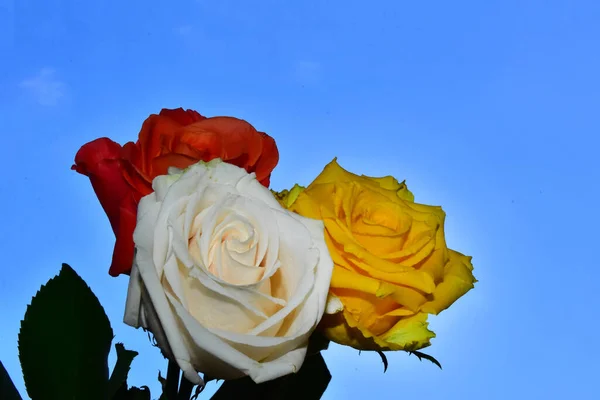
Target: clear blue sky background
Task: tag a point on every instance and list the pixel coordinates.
(488, 108)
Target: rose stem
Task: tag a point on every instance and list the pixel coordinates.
(172, 380)
(185, 389)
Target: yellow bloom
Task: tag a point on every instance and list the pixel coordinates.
(392, 266)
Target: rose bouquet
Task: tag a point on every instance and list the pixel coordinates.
(235, 281)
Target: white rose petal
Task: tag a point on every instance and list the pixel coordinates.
(229, 282)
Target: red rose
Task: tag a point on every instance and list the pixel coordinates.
(121, 176)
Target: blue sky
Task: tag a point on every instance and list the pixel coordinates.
(489, 109)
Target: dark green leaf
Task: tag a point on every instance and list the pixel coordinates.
(64, 341)
(162, 380)
(308, 383)
(151, 338)
(427, 357)
(135, 393)
(383, 359)
(316, 343)
(132, 393)
(198, 390)
(185, 389)
(121, 393)
(163, 385)
(171, 384)
(119, 374)
(8, 391)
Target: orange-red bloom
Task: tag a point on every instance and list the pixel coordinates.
(121, 176)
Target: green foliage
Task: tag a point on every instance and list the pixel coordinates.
(308, 383)
(118, 378)
(422, 356)
(384, 360)
(8, 391)
(316, 343)
(64, 341)
(132, 393)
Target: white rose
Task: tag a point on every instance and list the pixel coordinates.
(229, 282)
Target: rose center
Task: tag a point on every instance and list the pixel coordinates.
(231, 253)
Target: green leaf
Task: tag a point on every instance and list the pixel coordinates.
(119, 374)
(8, 391)
(383, 359)
(316, 343)
(421, 355)
(132, 393)
(172, 384)
(207, 378)
(308, 383)
(64, 341)
(163, 385)
(121, 393)
(198, 390)
(135, 393)
(185, 389)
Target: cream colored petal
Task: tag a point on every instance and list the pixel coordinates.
(224, 361)
(334, 304)
(133, 303)
(165, 315)
(255, 190)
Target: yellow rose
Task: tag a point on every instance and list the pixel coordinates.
(391, 264)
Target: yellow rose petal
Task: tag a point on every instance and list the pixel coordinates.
(404, 193)
(458, 280)
(400, 312)
(391, 263)
(409, 334)
(404, 275)
(342, 328)
(404, 296)
(385, 182)
(363, 338)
